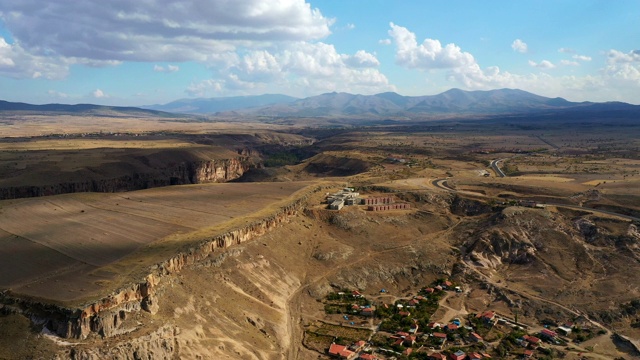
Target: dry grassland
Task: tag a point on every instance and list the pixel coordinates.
(69, 246)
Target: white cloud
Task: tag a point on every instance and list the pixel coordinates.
(582, 57)
(519, 46)
(544, 64)
(158, 30)
(168, 69)
(351, 26)
(99, 94)
(384, 41)
(301, 68)
(428, 55)
(57, 94)
(361, 59)
(17, 63)
(567, 50)
(623, 69)
(569, 63)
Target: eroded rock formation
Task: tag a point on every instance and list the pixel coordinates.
(191, 172)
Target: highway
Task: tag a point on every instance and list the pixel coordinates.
(496, 168)
(442, 184)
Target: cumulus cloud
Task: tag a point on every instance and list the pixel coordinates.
(623, 68)
(428, 55)
(99, 94)
(582, 57)
(57, 94)
(17, 63)
(544, 64)
(361, 59)
(567, 50)
(167, 69)
(519, 46)
(384, 41)
(158, 30)
(301, 68)
(569, 63)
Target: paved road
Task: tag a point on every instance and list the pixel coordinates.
(496, 168)
(442, 184)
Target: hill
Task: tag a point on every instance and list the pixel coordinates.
(451, 102)
(214, 105)
(80, 109)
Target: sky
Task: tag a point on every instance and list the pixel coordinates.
(143, 52)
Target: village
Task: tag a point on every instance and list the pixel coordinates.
(368, 328)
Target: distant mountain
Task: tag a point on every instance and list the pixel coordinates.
(214, 105)
(454, 101)
(88, 109)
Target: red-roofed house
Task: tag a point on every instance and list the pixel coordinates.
(434, 325)
(358, 345)
(436, 356)
(404, 313)
(366, 356)
(532, 340)
(458, 355)
(341, 352)
(548, 334)
(407, 351)
(409, 341)
(475, 356)
(367, 312)
(429, 290)
(447, 284)
(487, 316)
(527, 354)
(451, 327)
(414, 302)
(475, 337)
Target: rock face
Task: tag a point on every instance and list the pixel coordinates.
(105, 316)
(160, 344)
(190, 172)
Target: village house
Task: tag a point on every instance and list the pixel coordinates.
(368, 311)
(358, 346)
(436, 356)
(475, 337)
(564, 330)
(475, 356)
(548, 334)
(458, 355)
(365, 356)
(532, 341)
(489, 317)
(451, 327)
(341, 352)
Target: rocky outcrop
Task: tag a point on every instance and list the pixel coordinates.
(160, 344)
(105, 316)
(191, 172)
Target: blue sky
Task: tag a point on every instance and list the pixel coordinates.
(121, 52)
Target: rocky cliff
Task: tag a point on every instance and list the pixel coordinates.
(105, 317)
(189, 172)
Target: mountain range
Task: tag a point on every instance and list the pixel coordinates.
(85, 109)
(388, 104)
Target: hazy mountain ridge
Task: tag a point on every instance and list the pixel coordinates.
(88, 109)
(454, 101)
(214, 105)
(389, 104)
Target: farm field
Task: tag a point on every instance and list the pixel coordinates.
(66, 247)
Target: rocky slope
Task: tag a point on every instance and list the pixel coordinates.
(187, 172)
